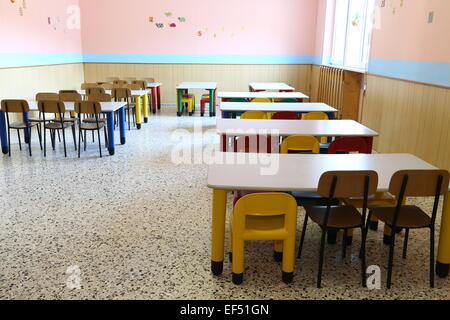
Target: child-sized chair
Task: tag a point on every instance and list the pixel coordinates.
(324, 141)
(264, 216)
(189, 100)
(254, 115)
(285, 115)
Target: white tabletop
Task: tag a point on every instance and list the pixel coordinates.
(154, 85)
(70, 106)
(320, 128)
(276, 86)
(302, 172)
(275, 107)
(134, 93)
(198, 85)
(264, 94)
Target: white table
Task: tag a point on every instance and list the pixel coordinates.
(267, 86)
(184, 87)
(263, 94)
(235, 107)
(295, 172)
(107, 107)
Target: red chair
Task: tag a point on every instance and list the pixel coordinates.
(349, 144)
(285, 115)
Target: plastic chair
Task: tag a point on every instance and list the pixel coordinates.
(18, 106)
(342, 184)
(300, 144)
(189, 100)
(254, 115)
(264, 100)
(264, 216)
(412, 183)
(324, 142)
(285, 115)
(348, 145)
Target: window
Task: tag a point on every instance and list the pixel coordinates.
(352, 26)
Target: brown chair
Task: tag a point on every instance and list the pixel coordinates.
(97, 90)
(124, 94)
(18, 106)
(98, 98)
(142, 83)
(412, 183)
(50, 96)
(112, 79)
(91, 108)
(85, 86)
(107, 86)
(58, 108)
(341, 184)
(120, 82)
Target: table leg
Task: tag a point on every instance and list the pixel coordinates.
(212, 103)
(158, 94)
(179, 102)
(3, 133)
(138, 113)
(146, 107)
(154, 98)
(218, 231)
(26, 131)
(110, 123)
(122, 125)
(224, 143)
(369, 141)
(443, 257)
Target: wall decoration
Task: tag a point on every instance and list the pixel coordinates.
(150, 19)
(168, 14)
(160, 25)
(182, 19)
(431, 17)
(173, 25)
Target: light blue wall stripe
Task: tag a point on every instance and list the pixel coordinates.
(8, 60)
(422, 71)
(198, 59)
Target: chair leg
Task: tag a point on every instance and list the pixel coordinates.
(432, 257)
(99, 142)
(79, 142)
(64, 141)
(106, 137)
(405, 244)
(391, 261)
(93, 136)
(365, 232)
(59, 137)
(9, 140)
(45, 141)
(39, 134)
(363, 256)
(85, 140)
(20, 142)
(53, 136)
(302, 239)
(322, 252)
(74, 136)
(29, 143)
(237, 265)
(344, 244)
(129, 119)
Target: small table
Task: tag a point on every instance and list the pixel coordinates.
(319, 128)
(237, 107)
(302, 173)
(267, 86)
(107, 107)
(211, 87)
(156, 95)
(264, 94)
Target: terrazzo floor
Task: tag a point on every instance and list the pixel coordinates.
(138, 227)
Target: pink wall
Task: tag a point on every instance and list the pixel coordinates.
(407, 35)
(269, 27)
(31, 33)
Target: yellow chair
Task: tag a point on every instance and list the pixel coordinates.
(189, 100)
(317, 116)
(254, 115)
(300, 143)
(265, 100)
(264, 216)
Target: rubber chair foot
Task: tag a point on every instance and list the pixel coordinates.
(217, 268)
(288, 277)
(278, 256)
(238, 278)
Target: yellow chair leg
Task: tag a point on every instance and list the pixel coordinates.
(237, 266)
(288, 255)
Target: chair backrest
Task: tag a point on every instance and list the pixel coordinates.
(289, 100)
(237, 100)
(254, 115)
(300, 144)
(107, 86)
(150, 80)
(85, 86)
(129, 79)
(285, 115)
(120, 82)
(265, 100)
(97, 90)
(112, 79)
(268, 211)
(348, 145)
(99, 97)
(315, 116)
(419, 183)
(132, 86)
(15, 106)
(88, 107)
(51, 106)
(48, 96)
(121, 93)
(347, 184)
(142, 83)
(69, 96)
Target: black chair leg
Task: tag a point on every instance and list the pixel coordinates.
(302, 239)
(391, 261)
(85, 140)
(29, 143)
(45, 141)
(9, 140)
(106, 137)
(74, 135)
(79, 142)
(99, 142)
(363, 257)
(432, 257)
(344, 244)
(53, 137)
(59, 137)
(20, 142)
(93, 137)
(129, 120)
(405, 244)
(39, 134)
(322, 252)
(64, 141)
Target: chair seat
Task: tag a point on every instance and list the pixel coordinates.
(92, 126)
(92, 120)
(311, 199)
(379, 199)
(40, 120)
(341, 217)
(65, 120)
(58, 125)
(409, 216)
(21, 125)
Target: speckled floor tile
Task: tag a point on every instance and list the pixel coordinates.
(138, 227)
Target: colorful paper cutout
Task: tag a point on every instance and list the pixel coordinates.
(150, 19)
(431, 17)
(168, 14)
(160, 25)
(182, 19)
(173, 25)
